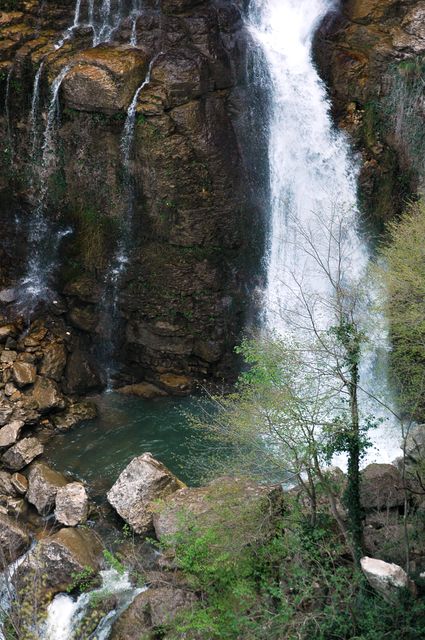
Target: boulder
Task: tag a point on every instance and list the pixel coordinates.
(7, 331)
(24, 373)
(151, 611)
(54, 361)
(59, 557)
(9, 434)
(7, 296)
(19, 483)
(22, 453)
(387, 579)
(47, 396)
(6, 485)
(142, 482)
(381, 487)
(104, 79)
(43, 485)
(5, 413)
(14, 540)
(8, 356)
(261, 505)
(176, 384)
(75, 413)
(142, 390)
(72, 504)
(80, 374)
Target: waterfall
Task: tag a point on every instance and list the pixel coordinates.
(135, 12)
(312, 176)
(65, 615)
(35, 103)
(119, 262)
(7, 113)
(43, 241)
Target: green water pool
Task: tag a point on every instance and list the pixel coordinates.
(98, 450)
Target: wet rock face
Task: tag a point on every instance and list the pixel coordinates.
(370, 54)
(179, 304)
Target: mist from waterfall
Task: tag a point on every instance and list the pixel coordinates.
(313, 181)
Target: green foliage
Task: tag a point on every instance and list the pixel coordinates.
(113, 562)
(83, 580)
(403, 277)
(293, 583)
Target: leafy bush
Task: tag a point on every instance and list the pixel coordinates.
(403, 276)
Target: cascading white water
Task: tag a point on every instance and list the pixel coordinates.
(119, 262)
(64, 614)
(43, 241)
(312, 176)
(35, 104)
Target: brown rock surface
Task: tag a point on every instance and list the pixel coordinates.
(24, 373)
(22, 453)
(62, 555)
(44, 484)
(104, 79)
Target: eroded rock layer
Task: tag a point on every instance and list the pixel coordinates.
(166, 196)
(372, 55)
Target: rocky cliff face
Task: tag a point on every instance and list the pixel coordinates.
(371, 53)
(145, 225)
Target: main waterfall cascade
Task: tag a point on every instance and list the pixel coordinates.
(312, 182)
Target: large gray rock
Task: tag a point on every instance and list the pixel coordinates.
(9, 434)
(14, 540)
(387, 579)
(59, 557)
(142, 482)
(22, 453)
(43, 485)
(381, 487)
(72, 504)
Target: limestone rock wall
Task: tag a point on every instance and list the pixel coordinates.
(181, 202)
(371, 53)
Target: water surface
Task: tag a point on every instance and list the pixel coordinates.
(98, 450)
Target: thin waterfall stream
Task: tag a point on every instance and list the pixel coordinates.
(313, 178)
(43, 241)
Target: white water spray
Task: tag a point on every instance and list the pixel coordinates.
(64, 614)
(35, 104)
(43, 241)
(312, 176)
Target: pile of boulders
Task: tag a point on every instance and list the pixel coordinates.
(33, 365)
